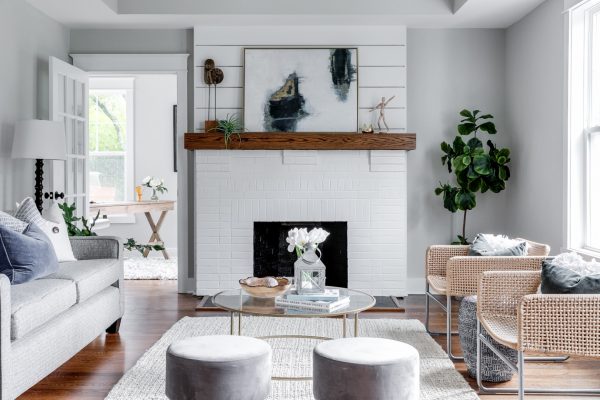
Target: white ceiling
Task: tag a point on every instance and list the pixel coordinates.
(132, 14)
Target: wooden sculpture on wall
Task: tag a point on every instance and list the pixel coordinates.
(212, 77)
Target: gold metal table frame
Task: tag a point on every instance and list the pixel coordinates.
(273, 311)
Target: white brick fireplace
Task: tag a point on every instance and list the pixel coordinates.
(235, 188)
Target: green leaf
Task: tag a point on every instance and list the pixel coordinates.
(486, 116)
(467, 128)
(504, 152)
(475, 184)
(475, 143)
(458, 145)
(449, 196)
(466, 113)
(482, 164)
(465, 200)
(471, 174)
(458, 164)
(503, 173)
(439, 191)
(488, 127)
(475, 113)
(501, 160)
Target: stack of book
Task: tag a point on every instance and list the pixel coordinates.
(329, 301)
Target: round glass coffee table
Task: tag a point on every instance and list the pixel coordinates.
(239, 303)
(236, 301)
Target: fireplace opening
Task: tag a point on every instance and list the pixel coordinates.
(271, 257)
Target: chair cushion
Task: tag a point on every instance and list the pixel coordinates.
(37, 302)
(497, 245)
(437, 283)
(90, 276)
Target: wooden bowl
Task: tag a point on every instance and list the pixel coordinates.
(265, 292)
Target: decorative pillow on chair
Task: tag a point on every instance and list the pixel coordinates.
(569, 273)
(26, 256)
(11, 222)
(497, 245)
(56, 230)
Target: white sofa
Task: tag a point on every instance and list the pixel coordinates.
(45, 322)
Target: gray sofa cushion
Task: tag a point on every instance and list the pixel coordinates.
(90, 276)
(37, 302)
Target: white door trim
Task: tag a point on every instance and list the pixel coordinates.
(162, 64)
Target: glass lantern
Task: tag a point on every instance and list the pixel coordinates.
(309, 272)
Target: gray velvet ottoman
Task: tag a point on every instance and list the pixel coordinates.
(365, 368)
(218, 368)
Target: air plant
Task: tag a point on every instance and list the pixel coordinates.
(231, 125)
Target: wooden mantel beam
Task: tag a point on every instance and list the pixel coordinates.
(303, 141)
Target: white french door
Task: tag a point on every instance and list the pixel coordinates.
(69, 103)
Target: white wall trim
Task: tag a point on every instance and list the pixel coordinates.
(149, 63)
(160, 64)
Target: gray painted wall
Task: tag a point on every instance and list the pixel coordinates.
(535, 78)
(28, 39)
(449, 69)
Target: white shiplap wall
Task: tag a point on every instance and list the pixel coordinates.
(381, 64)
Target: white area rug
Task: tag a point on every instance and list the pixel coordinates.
(292, 357)
(150, 268)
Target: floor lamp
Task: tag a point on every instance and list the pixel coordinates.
(39, 140)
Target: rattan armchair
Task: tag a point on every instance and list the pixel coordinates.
(451, 272)
(514, 315)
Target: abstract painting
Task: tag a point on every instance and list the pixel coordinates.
(300, 89)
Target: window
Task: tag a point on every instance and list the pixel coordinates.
(583, 165)
(111, 139)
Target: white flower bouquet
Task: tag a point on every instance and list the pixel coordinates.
(300, 239)
(155, 184)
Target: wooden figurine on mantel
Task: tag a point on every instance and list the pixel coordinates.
(381, 107)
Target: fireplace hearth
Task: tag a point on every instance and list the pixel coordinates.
(271, 257)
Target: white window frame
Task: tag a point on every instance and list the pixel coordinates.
(108, 84)
(579, 129)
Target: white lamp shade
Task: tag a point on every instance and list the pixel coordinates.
(39, 139)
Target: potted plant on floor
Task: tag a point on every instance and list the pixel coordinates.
(476, 169)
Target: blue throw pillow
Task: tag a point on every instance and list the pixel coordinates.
(26, 256)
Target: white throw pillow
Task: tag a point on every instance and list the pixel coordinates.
(53, 226)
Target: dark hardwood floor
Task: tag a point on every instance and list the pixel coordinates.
(153, 306)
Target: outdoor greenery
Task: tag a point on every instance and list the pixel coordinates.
(107, 144)
(476, 169)
(231, 125)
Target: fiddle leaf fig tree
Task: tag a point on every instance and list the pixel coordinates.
(476, 169)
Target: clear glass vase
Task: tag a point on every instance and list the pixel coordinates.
(154, 195)
(309, 271)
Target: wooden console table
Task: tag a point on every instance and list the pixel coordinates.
(137, 207)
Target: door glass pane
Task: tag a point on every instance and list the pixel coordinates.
(70, 177)
(80, 173)
(79, 138)
(70, 101)
(108, 144)
(68, 134)
(61, 87)
(79, 99)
